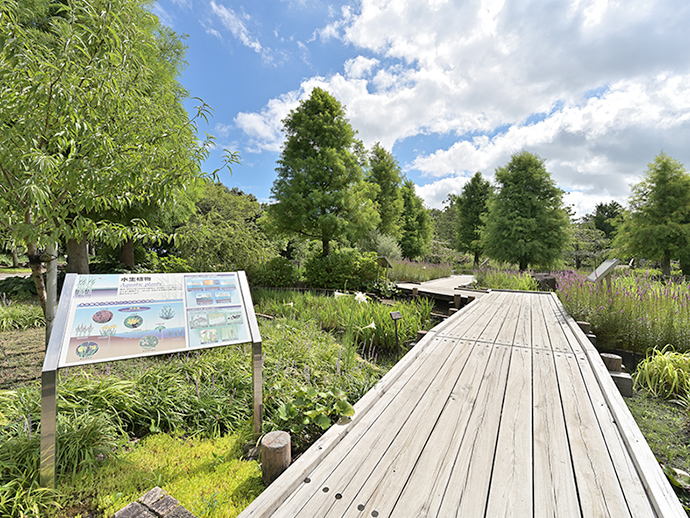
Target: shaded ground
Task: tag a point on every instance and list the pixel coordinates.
(25, 351)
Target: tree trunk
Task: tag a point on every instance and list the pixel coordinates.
(477, 256)
(127, 253)
(326, 244)
(666, 264)
(36, 273)
(78, 256)
(15, 257)
(523, 265)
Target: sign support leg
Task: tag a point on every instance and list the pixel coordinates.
(48, 420)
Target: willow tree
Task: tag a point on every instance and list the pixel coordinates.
(92, 120)
(320, 192)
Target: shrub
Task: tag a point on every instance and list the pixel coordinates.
(414, 271)
(167, 263)
(382, 244)
(346, 269)
(279, 272)
(18, 288)
(20, 316)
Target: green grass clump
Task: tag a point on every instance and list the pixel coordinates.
(497, 279)
(665, 373)
(206, 475)
(20, 316)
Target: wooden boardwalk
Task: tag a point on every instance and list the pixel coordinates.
(505, 409)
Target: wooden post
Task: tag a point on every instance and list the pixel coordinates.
(613, 362)
(457, 300)
(275, 455)
(415, 292)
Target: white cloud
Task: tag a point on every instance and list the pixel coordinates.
(596, 87)
(236, 25)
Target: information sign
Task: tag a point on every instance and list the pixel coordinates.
(603, 270)
(114, 317)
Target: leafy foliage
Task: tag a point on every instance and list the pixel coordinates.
(92, 120)
(384, 171)
(658, 226)
(224, 234)
(526, 222)
(278, 272)
(319, 191)
(417, 229)
(471, 207)
(345, 269)
(20, 316)
(310, 413)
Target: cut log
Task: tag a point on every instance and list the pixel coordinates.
(275, 455)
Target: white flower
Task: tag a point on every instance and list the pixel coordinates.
(360, 297)
(370, 326)
(337, 294)
(291, 304)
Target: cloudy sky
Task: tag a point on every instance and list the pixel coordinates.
(595, 87)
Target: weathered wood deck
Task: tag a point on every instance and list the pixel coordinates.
(505, 409)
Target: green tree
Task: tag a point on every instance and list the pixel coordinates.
(224, 234)
(444, 220)
(586, 243)
(384, 171)
(92, 120)
(605, 217)
(472, 206)
(320, 192)
(658, 225)
(417, 228)
(526, 223)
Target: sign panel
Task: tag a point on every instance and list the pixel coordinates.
(603, 270)
(114, 317)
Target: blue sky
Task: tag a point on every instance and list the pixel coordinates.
(595, 87)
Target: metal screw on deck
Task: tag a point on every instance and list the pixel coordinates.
(395, 315)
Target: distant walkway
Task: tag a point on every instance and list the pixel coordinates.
(445, 288)
(503, 410)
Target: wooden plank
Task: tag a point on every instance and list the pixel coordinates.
(557, 337)
(540, 336)
(359, 453)
(285, 486)
(659, 491)
(422, 489)
(490, 314)
(555, 492)
(523, 332)
(467, 489)
(598, 486)
(510, 493)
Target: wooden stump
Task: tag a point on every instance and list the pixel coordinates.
(275, 455)
(457, 300)
(613, 362)
(415, 292)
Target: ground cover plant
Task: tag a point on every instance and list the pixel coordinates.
(115, 420)
(637, 313)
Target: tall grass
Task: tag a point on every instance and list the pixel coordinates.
(637, 313)
(503, 279)
(15, 315)
(413, 271)
(365, 324)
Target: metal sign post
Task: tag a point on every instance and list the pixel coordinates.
(103, 318)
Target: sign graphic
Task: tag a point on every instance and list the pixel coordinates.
(113, 317)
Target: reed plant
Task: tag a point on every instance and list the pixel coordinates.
(635, 312)
(505, 279)
(414, 271)
(364, 323)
